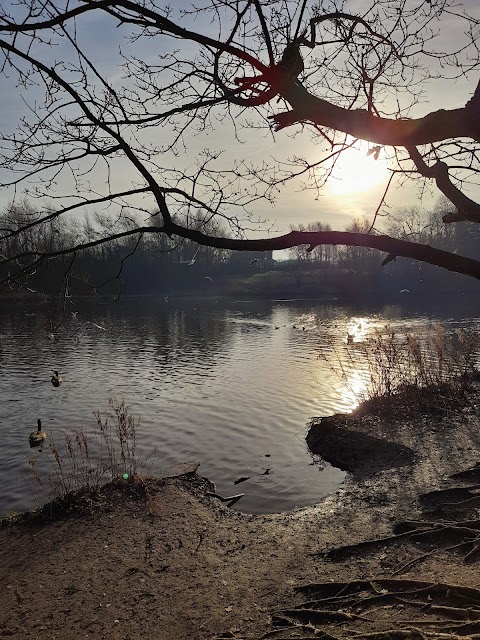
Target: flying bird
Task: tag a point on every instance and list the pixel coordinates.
(189, 262)
(192, 261)
(97, 326)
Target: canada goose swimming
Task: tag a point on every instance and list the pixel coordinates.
(56, 379)
(37, 437)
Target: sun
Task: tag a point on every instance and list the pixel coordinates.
(356, 172)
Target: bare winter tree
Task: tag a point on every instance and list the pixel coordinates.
(115, 91)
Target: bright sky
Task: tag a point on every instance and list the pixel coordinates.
(359, 180)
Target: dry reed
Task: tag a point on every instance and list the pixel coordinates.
(435, 362)
(88, 459)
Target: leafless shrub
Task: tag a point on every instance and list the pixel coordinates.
(87, 459)
(435, 363)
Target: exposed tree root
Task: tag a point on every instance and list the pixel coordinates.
(315, 616)
(410, 525)
(340, 552)
(473, 555)
(383, 609)
(395, 608)
(471, 474)
(452, 508)
(410, 564)
(444, 527)
(451, 493)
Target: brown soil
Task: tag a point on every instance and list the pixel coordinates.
(163, 560)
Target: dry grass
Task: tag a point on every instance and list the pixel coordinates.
(89, 458)
(433, 366)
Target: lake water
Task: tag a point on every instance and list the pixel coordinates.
(230, 385)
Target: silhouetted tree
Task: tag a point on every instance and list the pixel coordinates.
(110, 133)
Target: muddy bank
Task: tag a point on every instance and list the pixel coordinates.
(169, 561)
(337, 441)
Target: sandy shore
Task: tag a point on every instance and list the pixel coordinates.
(165, 560)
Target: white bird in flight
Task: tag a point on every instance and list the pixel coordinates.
(189, 262)
(98, 326)
(192, 261)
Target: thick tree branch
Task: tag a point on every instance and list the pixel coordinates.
(182, 89)
(392, 246)
(467, 208)
(359, 123)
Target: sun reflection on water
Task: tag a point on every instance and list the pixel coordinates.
(353, 390)
(358, 329)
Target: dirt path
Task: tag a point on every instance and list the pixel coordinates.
(168, 562)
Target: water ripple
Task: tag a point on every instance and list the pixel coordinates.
(232, 387)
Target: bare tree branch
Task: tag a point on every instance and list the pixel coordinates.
(186, 72)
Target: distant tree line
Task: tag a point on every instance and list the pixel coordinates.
(149, 263)
(162, 122)
(157, 264)
(414, 224)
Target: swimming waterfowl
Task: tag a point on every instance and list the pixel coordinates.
(37, 437)
(56, 379)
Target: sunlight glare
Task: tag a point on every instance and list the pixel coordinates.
(357, 329)
(352, 391)
(355, 171)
